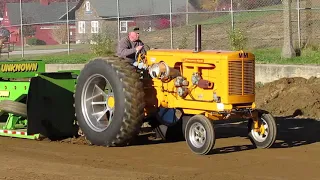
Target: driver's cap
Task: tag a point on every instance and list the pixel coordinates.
(134, 29)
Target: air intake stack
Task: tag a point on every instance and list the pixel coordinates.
(197, 47)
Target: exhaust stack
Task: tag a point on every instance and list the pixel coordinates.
(197, 47)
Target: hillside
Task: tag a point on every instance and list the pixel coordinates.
(262, 27)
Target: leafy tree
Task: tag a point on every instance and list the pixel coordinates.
(209, 4)
(28, 30)
(60, 34)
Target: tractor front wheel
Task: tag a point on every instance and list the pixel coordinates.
(200, 134)
(263, 134)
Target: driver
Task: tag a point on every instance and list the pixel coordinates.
(130, 45)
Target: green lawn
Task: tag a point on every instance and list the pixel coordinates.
(46, 47)
(263, 56)
(74, 58)
(273, 56)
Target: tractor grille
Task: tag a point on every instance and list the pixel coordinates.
(241, 77)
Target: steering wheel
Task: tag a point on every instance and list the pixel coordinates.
(139, 56)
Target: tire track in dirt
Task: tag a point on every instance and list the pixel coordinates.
(233, 158)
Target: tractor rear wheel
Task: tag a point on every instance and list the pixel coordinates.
(109, 102)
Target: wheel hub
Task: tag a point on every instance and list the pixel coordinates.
(110, 102)
(97, 101)
(197, 135)
(261, 132)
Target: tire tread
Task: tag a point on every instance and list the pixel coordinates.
(134, 98)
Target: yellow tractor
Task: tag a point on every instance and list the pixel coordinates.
(167, 87)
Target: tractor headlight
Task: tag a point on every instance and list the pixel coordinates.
(159, 70)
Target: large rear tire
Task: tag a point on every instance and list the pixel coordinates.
(109, 102)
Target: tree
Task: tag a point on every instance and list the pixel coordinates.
(287, 49)
(209, 4)
(60, 34)
(28, 29)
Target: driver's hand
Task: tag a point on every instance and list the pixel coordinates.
(138, 48)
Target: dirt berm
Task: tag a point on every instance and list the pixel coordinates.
(298, 97)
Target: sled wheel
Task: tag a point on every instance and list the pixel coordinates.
(13, 107)
(109, 102)
(200, 135)
(265, 134)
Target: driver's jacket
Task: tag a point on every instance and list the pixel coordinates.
(127, 49)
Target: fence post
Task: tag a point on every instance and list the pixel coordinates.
(118, 12)
(171, 30)
(299, 28)
(68, 30)
(187, 12)
(287, 49)
(309, 23)
(21, 30)
(232, 16)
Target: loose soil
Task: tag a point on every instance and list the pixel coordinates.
(290, 97)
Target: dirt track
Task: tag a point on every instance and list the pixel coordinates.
(233, 158)
(295, 155)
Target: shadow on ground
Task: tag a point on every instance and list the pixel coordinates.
(292, 132)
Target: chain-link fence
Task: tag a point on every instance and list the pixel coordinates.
(44, 26)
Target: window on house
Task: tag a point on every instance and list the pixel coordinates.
(94, 26)
(124, 26)
(87, 6)
(81, 27)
